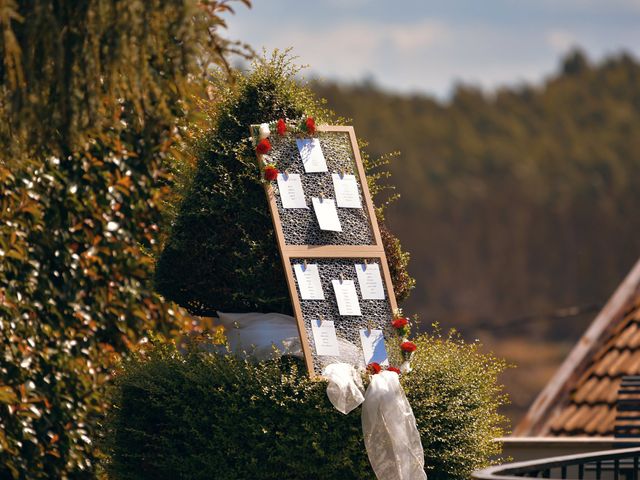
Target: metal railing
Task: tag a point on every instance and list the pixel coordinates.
(619, 464)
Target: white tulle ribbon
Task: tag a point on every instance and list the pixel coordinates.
(391, 436)
(345, 386)
(390, 432)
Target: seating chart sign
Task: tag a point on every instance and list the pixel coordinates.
(331, 248)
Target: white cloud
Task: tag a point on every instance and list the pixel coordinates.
(347, 4)
(416, 36)
(428, 53)
(355, 48)
(561, 41)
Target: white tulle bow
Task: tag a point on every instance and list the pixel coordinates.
(345, 386)
(391, 436)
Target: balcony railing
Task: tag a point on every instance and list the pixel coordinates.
(620, 464)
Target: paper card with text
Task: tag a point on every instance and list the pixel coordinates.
(326, 213)
(370, 281)
(311, 153)
(309, 281)
(324, 336)
(347, 297)
(291, 192)
(346, 189)
(373, 347)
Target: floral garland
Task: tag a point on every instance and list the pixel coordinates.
(306, 126)
(402, 329)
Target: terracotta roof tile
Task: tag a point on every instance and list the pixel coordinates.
(634, 341)
(585, 390)
(598, 414)
(602, 367)
(619, 366)
(560, 420)
(626, 335)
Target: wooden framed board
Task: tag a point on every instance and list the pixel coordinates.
(302, 244)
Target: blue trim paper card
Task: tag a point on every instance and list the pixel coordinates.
(312, 157)
(373, 347)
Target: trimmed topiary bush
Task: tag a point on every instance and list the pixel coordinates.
(222, 253)
(203, 415)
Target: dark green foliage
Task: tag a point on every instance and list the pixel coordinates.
(455, 396)
(213, 416)
(65, 65)
(222, 253)
(84, 133)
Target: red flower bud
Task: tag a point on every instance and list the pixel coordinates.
(270, 173)
(374, 368)
(263, 146)
(310, 124)
(400, 323)
(408, 347)
(281, 127)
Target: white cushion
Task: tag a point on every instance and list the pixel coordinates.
(257, 333)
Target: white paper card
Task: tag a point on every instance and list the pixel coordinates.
(312, 156)
(373, 347)
(326, 214)
(324, 336)
(346, 189)
(291, 193)
(347, 297)
(309, 281)
(370, 281)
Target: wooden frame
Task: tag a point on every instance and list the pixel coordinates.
(287, 252)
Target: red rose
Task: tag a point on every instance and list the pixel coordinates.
(281, 127)
(270, 173)
(310, 124)
(374, 368)
(263, 146)
(394, 369)
(400, 323)
(408, 347)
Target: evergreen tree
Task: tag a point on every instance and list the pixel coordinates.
(92, 94)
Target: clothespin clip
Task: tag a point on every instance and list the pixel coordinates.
(321, 196)
(369, 326)
(366, 264)
(304, 263)
(341, 278)
(286, 174)
(343, 172)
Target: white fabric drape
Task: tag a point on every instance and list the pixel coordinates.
(390, 433)
(391, 436)
(345, 386)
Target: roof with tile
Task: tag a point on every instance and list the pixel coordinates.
(580, 400)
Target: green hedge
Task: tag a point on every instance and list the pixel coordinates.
(203, 416)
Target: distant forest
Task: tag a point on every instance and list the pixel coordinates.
(516, 202)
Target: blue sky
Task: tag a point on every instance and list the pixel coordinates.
(426, 46)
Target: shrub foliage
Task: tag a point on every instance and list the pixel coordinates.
(222, 253)
(90, 98)
(206, 415)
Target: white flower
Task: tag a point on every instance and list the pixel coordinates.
(264, 131)
(405, 367)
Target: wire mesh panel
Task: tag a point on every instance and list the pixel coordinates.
(300, 239)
